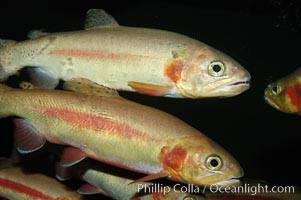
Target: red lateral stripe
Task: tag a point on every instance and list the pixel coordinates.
(18, 187)
(97, 123)
(92, 54)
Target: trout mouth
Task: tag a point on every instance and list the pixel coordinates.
(271, 103)
(233, 88)
(241, 83)
(232, 182)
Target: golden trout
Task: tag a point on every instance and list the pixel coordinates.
(116, 184)
(118, 132)
(285, 94)
(148, 61)
(16, 184)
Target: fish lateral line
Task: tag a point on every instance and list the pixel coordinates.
(89, 121)
(97, 54)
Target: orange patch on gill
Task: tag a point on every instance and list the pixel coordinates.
(92, 54)
(173, 70)
(24, 189)
(173, 159)
(97, 123)
(294, 93)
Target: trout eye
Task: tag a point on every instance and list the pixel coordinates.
(276, 89)
(189, 197)
(214, 162)
(216, 68)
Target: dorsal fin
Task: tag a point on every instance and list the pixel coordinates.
(99, 18)
(85, 86)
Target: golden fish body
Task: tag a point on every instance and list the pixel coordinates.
(149, 61)
(118, 132)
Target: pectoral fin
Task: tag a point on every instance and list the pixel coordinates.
(72, 156)
(97, 18)
(41, 78)
(85, 86)
(90, 189)
(27, 138)
(149, 89)
(151, 177)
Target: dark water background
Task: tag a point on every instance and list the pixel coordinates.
(264, 36)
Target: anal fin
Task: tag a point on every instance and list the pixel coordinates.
(85, 86)
(149, 89)
(27, 138)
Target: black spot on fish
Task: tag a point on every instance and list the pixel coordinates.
(174, 54)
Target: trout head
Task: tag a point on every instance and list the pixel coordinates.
(285, 94)
(201, 162)
(209, 73)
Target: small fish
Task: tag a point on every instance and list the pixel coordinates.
(147, 61)
(15, 184)
(116, 131)
(285, 94)
(116, 184)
